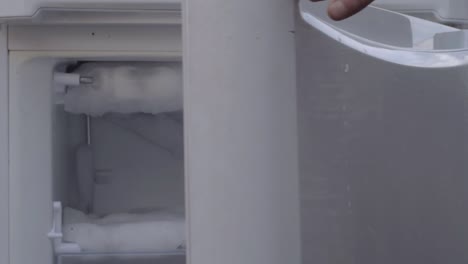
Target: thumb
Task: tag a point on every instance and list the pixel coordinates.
(341, 9)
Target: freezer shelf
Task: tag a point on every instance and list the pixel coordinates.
(176, 257)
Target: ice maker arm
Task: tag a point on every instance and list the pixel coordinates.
(392, 37)
(72, 79)
(56, 235)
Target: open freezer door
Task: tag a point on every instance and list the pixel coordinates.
(382, 124)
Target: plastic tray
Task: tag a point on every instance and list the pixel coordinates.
(123, 258)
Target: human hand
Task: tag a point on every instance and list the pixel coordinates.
(341, 9)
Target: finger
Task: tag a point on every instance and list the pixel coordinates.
(341, 9)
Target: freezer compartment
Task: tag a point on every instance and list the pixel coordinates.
(129, 114)
(110, 185)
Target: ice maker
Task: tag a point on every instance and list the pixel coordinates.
(210, 131)
(111, 174)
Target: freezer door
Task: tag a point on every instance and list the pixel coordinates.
(3, 146)
(382, 140)
(18, 9)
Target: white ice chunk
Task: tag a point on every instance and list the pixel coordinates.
(120, 87)
(153, 231)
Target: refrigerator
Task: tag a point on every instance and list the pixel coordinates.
(256, 132)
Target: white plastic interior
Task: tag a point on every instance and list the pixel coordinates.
(138, 158)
